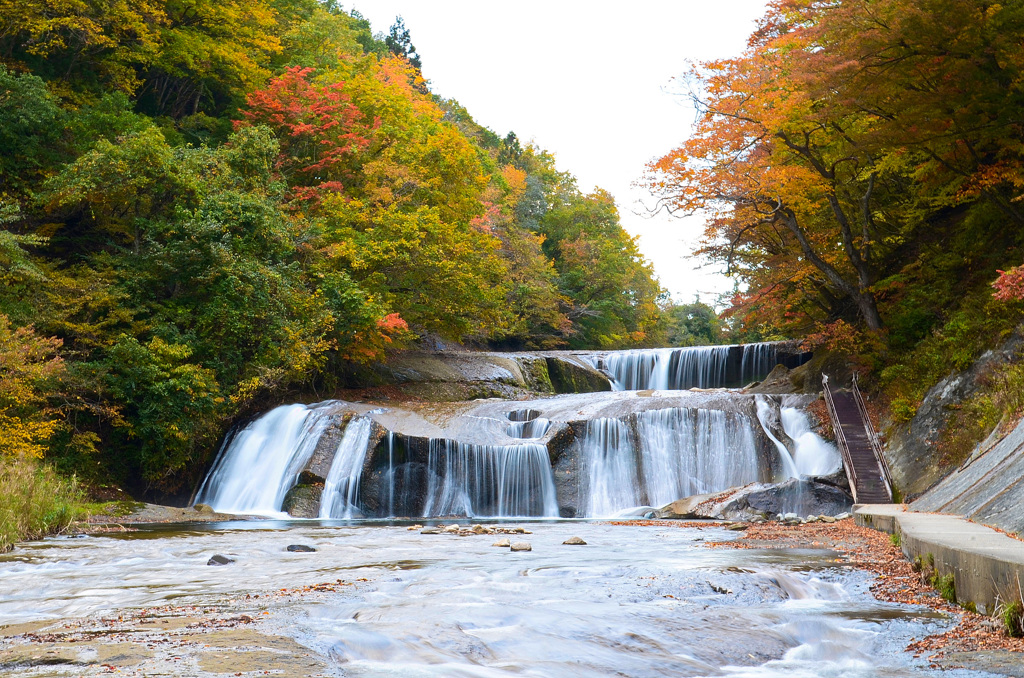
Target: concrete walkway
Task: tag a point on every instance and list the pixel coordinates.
(988, 566)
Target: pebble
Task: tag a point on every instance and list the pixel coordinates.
(220, 560)
(502, 542)
(300, 548)
(521, 546)
(574, 541)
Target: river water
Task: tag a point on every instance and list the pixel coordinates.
(635, 601)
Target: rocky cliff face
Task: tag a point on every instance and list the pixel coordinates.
(912, 449)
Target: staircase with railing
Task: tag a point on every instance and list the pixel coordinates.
(858, 443)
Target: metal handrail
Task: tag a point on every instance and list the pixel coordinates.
(837, 428)
(876, 444)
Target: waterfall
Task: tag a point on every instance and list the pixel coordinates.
(765, 416)
(676, 452)
(685, 452)
(489, 480)
(610, 467)
(340, 498)
(692, 367)
(813, 456)
(262, 462)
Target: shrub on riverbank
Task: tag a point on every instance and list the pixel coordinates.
(34, 501)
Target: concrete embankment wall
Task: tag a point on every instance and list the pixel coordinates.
(987, 566)
(988, 488)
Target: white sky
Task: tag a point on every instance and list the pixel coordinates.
(590, 82)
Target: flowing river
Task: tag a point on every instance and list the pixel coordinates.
(635, 601)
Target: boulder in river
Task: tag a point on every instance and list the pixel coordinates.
(760, 501)
(300, 548)
(574, 541)
(521, 546)
(303, 501)
(220, 560)
(503, 543)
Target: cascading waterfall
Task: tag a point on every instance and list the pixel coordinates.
(258, 466)
(765, 416)
(340, 498)
(675, 453)
(610, 469)
(692, 367)
(813, 456)
(685, 452)
(489, 480)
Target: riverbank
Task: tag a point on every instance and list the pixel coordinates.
(977, 642)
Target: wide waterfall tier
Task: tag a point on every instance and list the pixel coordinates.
(584, 455)
(691, 367)
(661, 455)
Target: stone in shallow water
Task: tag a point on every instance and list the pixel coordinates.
(737, 527)
(574, 541)
(502, 542)
(431, 530)
(521, 546)
(300, 548)
(220, 560)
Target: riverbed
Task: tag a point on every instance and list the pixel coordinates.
(380, 599)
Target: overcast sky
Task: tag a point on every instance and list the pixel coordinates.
(592, 83)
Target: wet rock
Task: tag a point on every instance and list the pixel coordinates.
(480, 529)
(737, 527)
(431, 530)
(685, 508)
(784, 501)
(503, 543)
(414, 527)
(521, 546)
(220, 560)
(300, 548)
(574, 541)
(203, 508)
(303, 501)
(452, 529)
(571, 376)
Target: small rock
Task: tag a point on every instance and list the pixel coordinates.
(479, 529)
(842, 516)
(452, 528)
(791, 516)
(300, 548)
(431, 530)
(519, 530)
(737, 527)
(220, 560)
(502, 542)
(415, 527)
(828, 519)
(574, 541)
(203, 508)
(521, 546)
(719, 589)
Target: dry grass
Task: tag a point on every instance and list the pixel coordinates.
(34, 501)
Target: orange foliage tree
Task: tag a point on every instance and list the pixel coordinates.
(819, 154)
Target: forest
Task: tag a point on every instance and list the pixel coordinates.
(207, 205)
